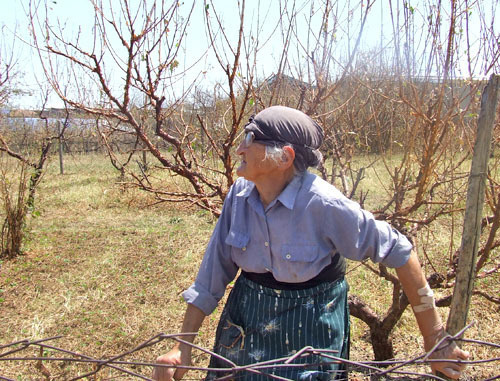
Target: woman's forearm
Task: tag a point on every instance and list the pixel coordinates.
(429, 322)
(412, 279)
(193, 319)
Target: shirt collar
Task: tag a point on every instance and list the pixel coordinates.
(250, 193)
(247, 189)
(287, 197)
(289, 194)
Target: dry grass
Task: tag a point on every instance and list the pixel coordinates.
(106, 272)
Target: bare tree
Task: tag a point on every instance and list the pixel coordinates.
(143, 45)
(19, 201)
(419, 122)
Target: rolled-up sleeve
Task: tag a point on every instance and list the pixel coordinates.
(217, 268)
(357, 235)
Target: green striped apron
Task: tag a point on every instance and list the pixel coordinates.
(260, 324)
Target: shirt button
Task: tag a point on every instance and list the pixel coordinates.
(244, 248)
(288, 256)
(266, 244)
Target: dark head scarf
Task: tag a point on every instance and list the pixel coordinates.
(280, 125)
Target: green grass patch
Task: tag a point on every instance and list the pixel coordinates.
(106, 272)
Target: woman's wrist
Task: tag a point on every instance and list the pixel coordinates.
(432, 338)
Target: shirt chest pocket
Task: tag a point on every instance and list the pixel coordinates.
(299, 252)
(237, 240)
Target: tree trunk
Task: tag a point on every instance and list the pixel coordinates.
(380, 328)
(382, 343)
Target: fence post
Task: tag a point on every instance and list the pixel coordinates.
(61, 162)
(473, 209)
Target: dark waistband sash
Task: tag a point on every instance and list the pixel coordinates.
(334, 271)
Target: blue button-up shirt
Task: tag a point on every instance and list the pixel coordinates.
(294, 238)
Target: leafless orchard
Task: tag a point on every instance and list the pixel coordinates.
(411, 102)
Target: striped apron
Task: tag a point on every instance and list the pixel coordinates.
(260, 324)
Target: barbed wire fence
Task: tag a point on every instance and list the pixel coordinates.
(375, 370)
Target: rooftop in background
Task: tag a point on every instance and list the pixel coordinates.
(51, 113)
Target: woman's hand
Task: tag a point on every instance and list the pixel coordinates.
(174, 357)
(181, 352)
(447, 350)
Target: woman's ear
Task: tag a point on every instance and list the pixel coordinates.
(288, 156)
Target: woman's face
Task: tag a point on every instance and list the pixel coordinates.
(254, 166)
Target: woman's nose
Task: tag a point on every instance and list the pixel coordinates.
(240, 149)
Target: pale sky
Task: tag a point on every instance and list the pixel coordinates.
(79, 14)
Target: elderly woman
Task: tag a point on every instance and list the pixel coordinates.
(289, 232)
